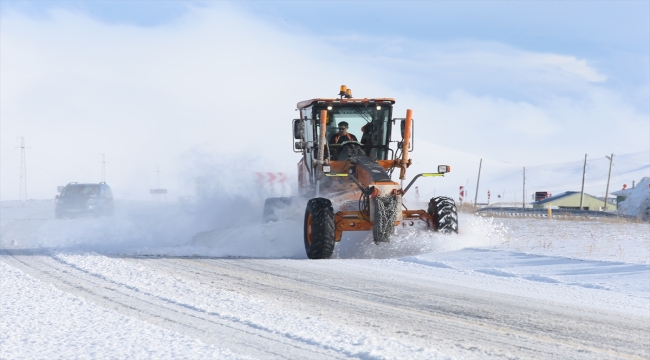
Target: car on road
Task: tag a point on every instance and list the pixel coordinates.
(84, 199)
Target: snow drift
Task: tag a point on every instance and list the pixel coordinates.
(637, 200)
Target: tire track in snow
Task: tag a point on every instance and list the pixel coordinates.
(262, 315)
(37, 319)
(498, 324)
(468, 323)
(44, 265)
(239, 337)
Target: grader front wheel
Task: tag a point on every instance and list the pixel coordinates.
(443, 211)
(319, 229)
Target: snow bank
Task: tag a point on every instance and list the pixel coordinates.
(585, 240)
(637, 201)
(613, 286)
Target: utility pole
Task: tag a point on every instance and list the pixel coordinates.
(157, 192)
(523, 193)
(477, 181)
(22, 192)
(103, 168)
(157, 176)
(582, 191)
(608, 176)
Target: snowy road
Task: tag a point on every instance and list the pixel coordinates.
(294, 308)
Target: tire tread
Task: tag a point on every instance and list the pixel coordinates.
(322, 245)
(444, 213)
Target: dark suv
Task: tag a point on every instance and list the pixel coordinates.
(84, 199)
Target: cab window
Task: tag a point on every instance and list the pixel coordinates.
(369, 124)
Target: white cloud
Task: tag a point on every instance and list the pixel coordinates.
(565, 65)
(227, 83)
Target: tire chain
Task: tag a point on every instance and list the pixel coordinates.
(386, 208)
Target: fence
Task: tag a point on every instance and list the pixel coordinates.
(542, 213)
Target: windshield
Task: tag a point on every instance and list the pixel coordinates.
(367, 124)
(80, 191)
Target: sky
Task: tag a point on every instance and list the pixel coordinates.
(210, 87)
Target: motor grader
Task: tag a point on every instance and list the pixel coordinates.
(349, 184)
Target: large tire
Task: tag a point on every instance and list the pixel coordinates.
(319, 229)
(274, 207)
(445, 216)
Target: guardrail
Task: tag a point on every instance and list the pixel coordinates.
(507, 204)
(537, 212)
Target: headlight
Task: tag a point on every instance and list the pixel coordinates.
(444, 169)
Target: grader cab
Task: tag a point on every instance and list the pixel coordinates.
(346, 169)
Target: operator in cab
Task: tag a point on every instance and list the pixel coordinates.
(343, 134)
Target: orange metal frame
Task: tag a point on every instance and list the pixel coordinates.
(355, 221)
(344, 166)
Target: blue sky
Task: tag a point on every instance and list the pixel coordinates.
(586, 28)
(614, 35)
(527, 83)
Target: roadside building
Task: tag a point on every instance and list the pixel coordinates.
(571, 200)
(621, 195)
(541, 195)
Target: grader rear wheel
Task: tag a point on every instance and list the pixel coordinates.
(443, 211)
(274, 208)
(319, 229)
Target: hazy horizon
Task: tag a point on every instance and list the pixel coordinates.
(211, 88)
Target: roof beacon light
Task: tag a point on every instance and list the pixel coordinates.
(344, 90)
(348, 93)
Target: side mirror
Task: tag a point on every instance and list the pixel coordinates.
(300, 145)
(56, 197)
(402, 125)
(298, 129)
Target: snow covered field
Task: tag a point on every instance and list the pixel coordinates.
(143, 284)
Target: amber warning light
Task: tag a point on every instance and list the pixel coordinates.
(345, 92)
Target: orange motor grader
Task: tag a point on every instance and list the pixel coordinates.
(348, 183)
